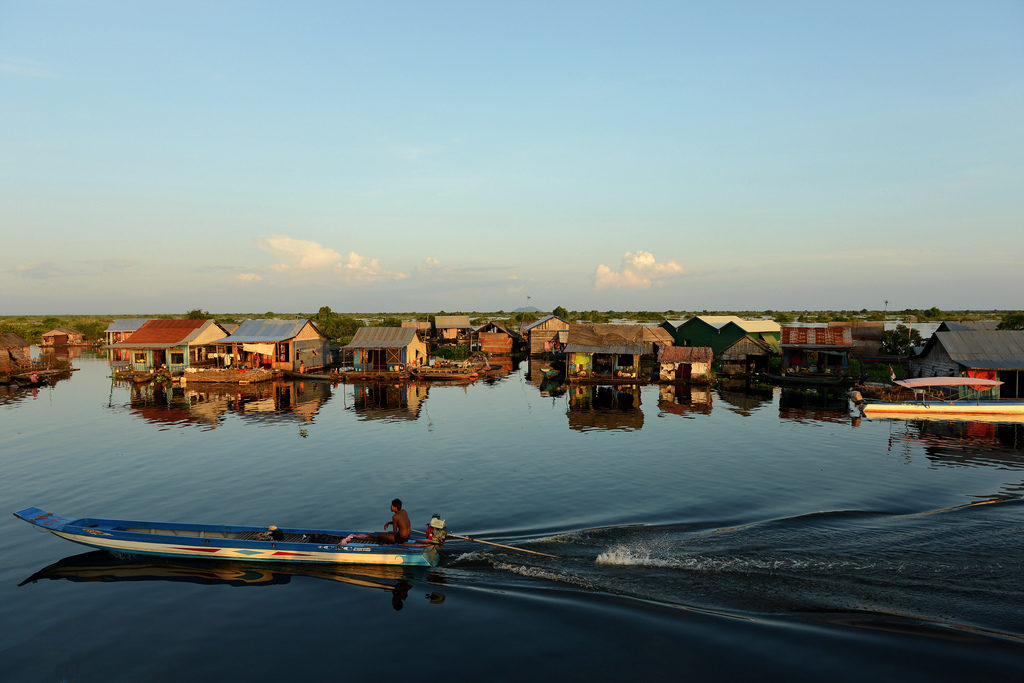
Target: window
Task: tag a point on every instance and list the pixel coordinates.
(139, 357)
(177, 359)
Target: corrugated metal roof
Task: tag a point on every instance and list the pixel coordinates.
(164, 331)
(527, 328)
(382, 337)
(591, 339)
(685, 354)
(264, 331)
(759, 326)
(718, 321)
(448, 322)
(985, 349)
(127, 324)
(817, 336)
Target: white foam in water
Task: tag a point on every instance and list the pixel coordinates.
(548, 575)
(640, 556)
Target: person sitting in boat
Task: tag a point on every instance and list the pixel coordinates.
(400, 526)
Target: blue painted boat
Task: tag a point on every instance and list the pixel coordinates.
(250, 543)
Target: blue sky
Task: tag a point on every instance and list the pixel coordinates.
(247, 157)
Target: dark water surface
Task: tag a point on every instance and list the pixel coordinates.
(730, 533)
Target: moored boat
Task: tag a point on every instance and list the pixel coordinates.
(953, 404)
(250, 543)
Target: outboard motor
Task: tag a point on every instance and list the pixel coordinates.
(437, 530)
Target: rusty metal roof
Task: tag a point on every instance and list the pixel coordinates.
(165, 331)
(811, 337)
(685, 354)
(382, 338)
(590, 339)
(9, 340)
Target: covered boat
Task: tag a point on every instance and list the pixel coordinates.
(953, 404)
(250, 543)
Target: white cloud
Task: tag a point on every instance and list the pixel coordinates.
(248, 277)
(431, 262)
(299, 253)
(639, 270)
(361, 269)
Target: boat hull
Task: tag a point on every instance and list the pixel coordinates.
(227, 542)
(1007, 409)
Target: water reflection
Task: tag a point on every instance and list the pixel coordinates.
(687, 401)
(742, 396)
(816, 404)
(102, 566)
(389, 402)
(599, 406)
(958, 443)
(205, 405)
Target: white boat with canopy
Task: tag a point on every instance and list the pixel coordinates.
(948, 397)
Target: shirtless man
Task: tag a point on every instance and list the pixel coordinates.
(400, 526)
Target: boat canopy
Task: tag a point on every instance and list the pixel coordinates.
(973, 382)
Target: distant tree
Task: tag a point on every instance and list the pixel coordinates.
(1012, 321)
(933, 313)
(900, 341)
(561, 312)
(197, 314)
(782, 318)
(525, 317)
(390, 321)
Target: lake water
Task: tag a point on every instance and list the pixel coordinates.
(731, 533)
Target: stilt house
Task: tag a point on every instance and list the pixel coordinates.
(986, 354)
(293, 345)
(176, 344)
(385, 349)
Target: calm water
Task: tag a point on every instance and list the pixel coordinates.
(732, 533)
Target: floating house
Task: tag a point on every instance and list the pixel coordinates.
(14, 351)
(986, 354)
(721, 331)
(596, 356)
(684, 363)
(63, 336)
(293, 345)
(119, 331)
(746, 356)
(816, 349)
(422, 327)
(174, 344)
(543, 336)
(452, 328)
(385, 349)
(494, 338)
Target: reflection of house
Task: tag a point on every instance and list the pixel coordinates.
(685, 401)
(385, 349)
(816, 349)
(684, 363)
(278, 344)
(452, 328)
(62, 336)
(389, 401)
(745, 356)
(178, 344)
(589, 354)
(605, 407)
(13, 350)
(494, 338)
(542, 335)
(988, 354)
(721, 331)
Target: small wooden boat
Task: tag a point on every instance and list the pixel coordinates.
(249, 543)
(953, 405)
(444, 373)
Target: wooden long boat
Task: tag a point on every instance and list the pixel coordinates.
(942, 405)
(249, 543)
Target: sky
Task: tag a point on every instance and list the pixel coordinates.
(158, 157)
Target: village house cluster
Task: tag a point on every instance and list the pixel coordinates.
(675, 351)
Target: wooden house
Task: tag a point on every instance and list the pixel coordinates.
(542, 336)
(721, 331)
(385, 349)
(422, 327)
(63, 336)
(684, 363)
(746, 356)
(592, 355)
(14, 351)
(452, 328)
(494, 338)
(295, 345)
(987, 354)
(816, 349)
(171, 344)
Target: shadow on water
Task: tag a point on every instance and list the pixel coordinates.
(102, 566)
(868, 569)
